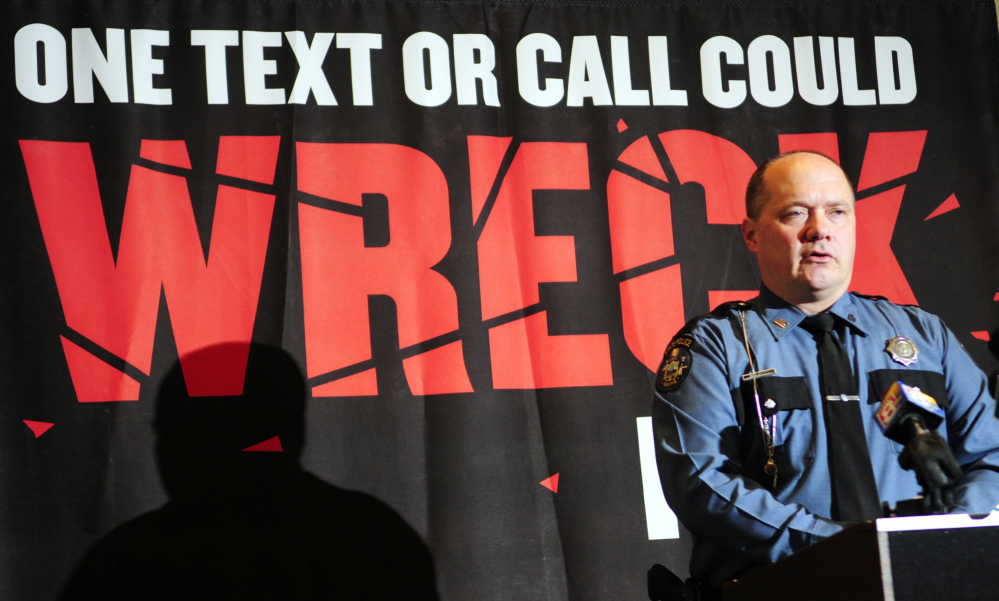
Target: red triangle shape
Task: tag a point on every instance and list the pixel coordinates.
(38, 428)
(948, 205)
(551, 483)
(271, 444)
(621, 125)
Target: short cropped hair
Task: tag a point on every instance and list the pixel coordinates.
(757, 193)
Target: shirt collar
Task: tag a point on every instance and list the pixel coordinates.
(781, 317)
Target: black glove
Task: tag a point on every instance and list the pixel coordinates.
(936, 469)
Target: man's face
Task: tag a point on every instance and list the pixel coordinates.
(805, 235)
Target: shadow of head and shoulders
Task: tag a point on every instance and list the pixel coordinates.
(244, 520)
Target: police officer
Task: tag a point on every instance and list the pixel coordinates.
(753, 456)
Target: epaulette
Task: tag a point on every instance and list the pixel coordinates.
(873, 297)
(723, 309)
(721, 312)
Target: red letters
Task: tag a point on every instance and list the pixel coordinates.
(113, 302)
(112, 298)
(339, 272)
(513, 261)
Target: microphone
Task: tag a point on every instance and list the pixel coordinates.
(909, 416)
(906, 411)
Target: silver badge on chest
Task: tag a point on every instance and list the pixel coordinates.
(902, 350)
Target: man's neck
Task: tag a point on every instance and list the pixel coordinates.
(816, 307)
(809, 306)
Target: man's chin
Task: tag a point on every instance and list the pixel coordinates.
(820, 276)
(821, 289)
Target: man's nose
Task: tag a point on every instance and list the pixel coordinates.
(817, 227)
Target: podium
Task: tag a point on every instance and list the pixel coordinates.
(921, 558)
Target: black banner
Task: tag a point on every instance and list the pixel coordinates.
(473, 225)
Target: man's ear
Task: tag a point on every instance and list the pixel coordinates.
(749, 234)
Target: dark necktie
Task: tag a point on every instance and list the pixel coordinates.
(855, 492)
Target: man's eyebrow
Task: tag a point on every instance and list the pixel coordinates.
(838, 203)
(791, 204)
(809, 204)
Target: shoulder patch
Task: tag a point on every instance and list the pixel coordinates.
(676, 364)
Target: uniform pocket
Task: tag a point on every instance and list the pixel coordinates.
(930, 382)
(789, 399)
